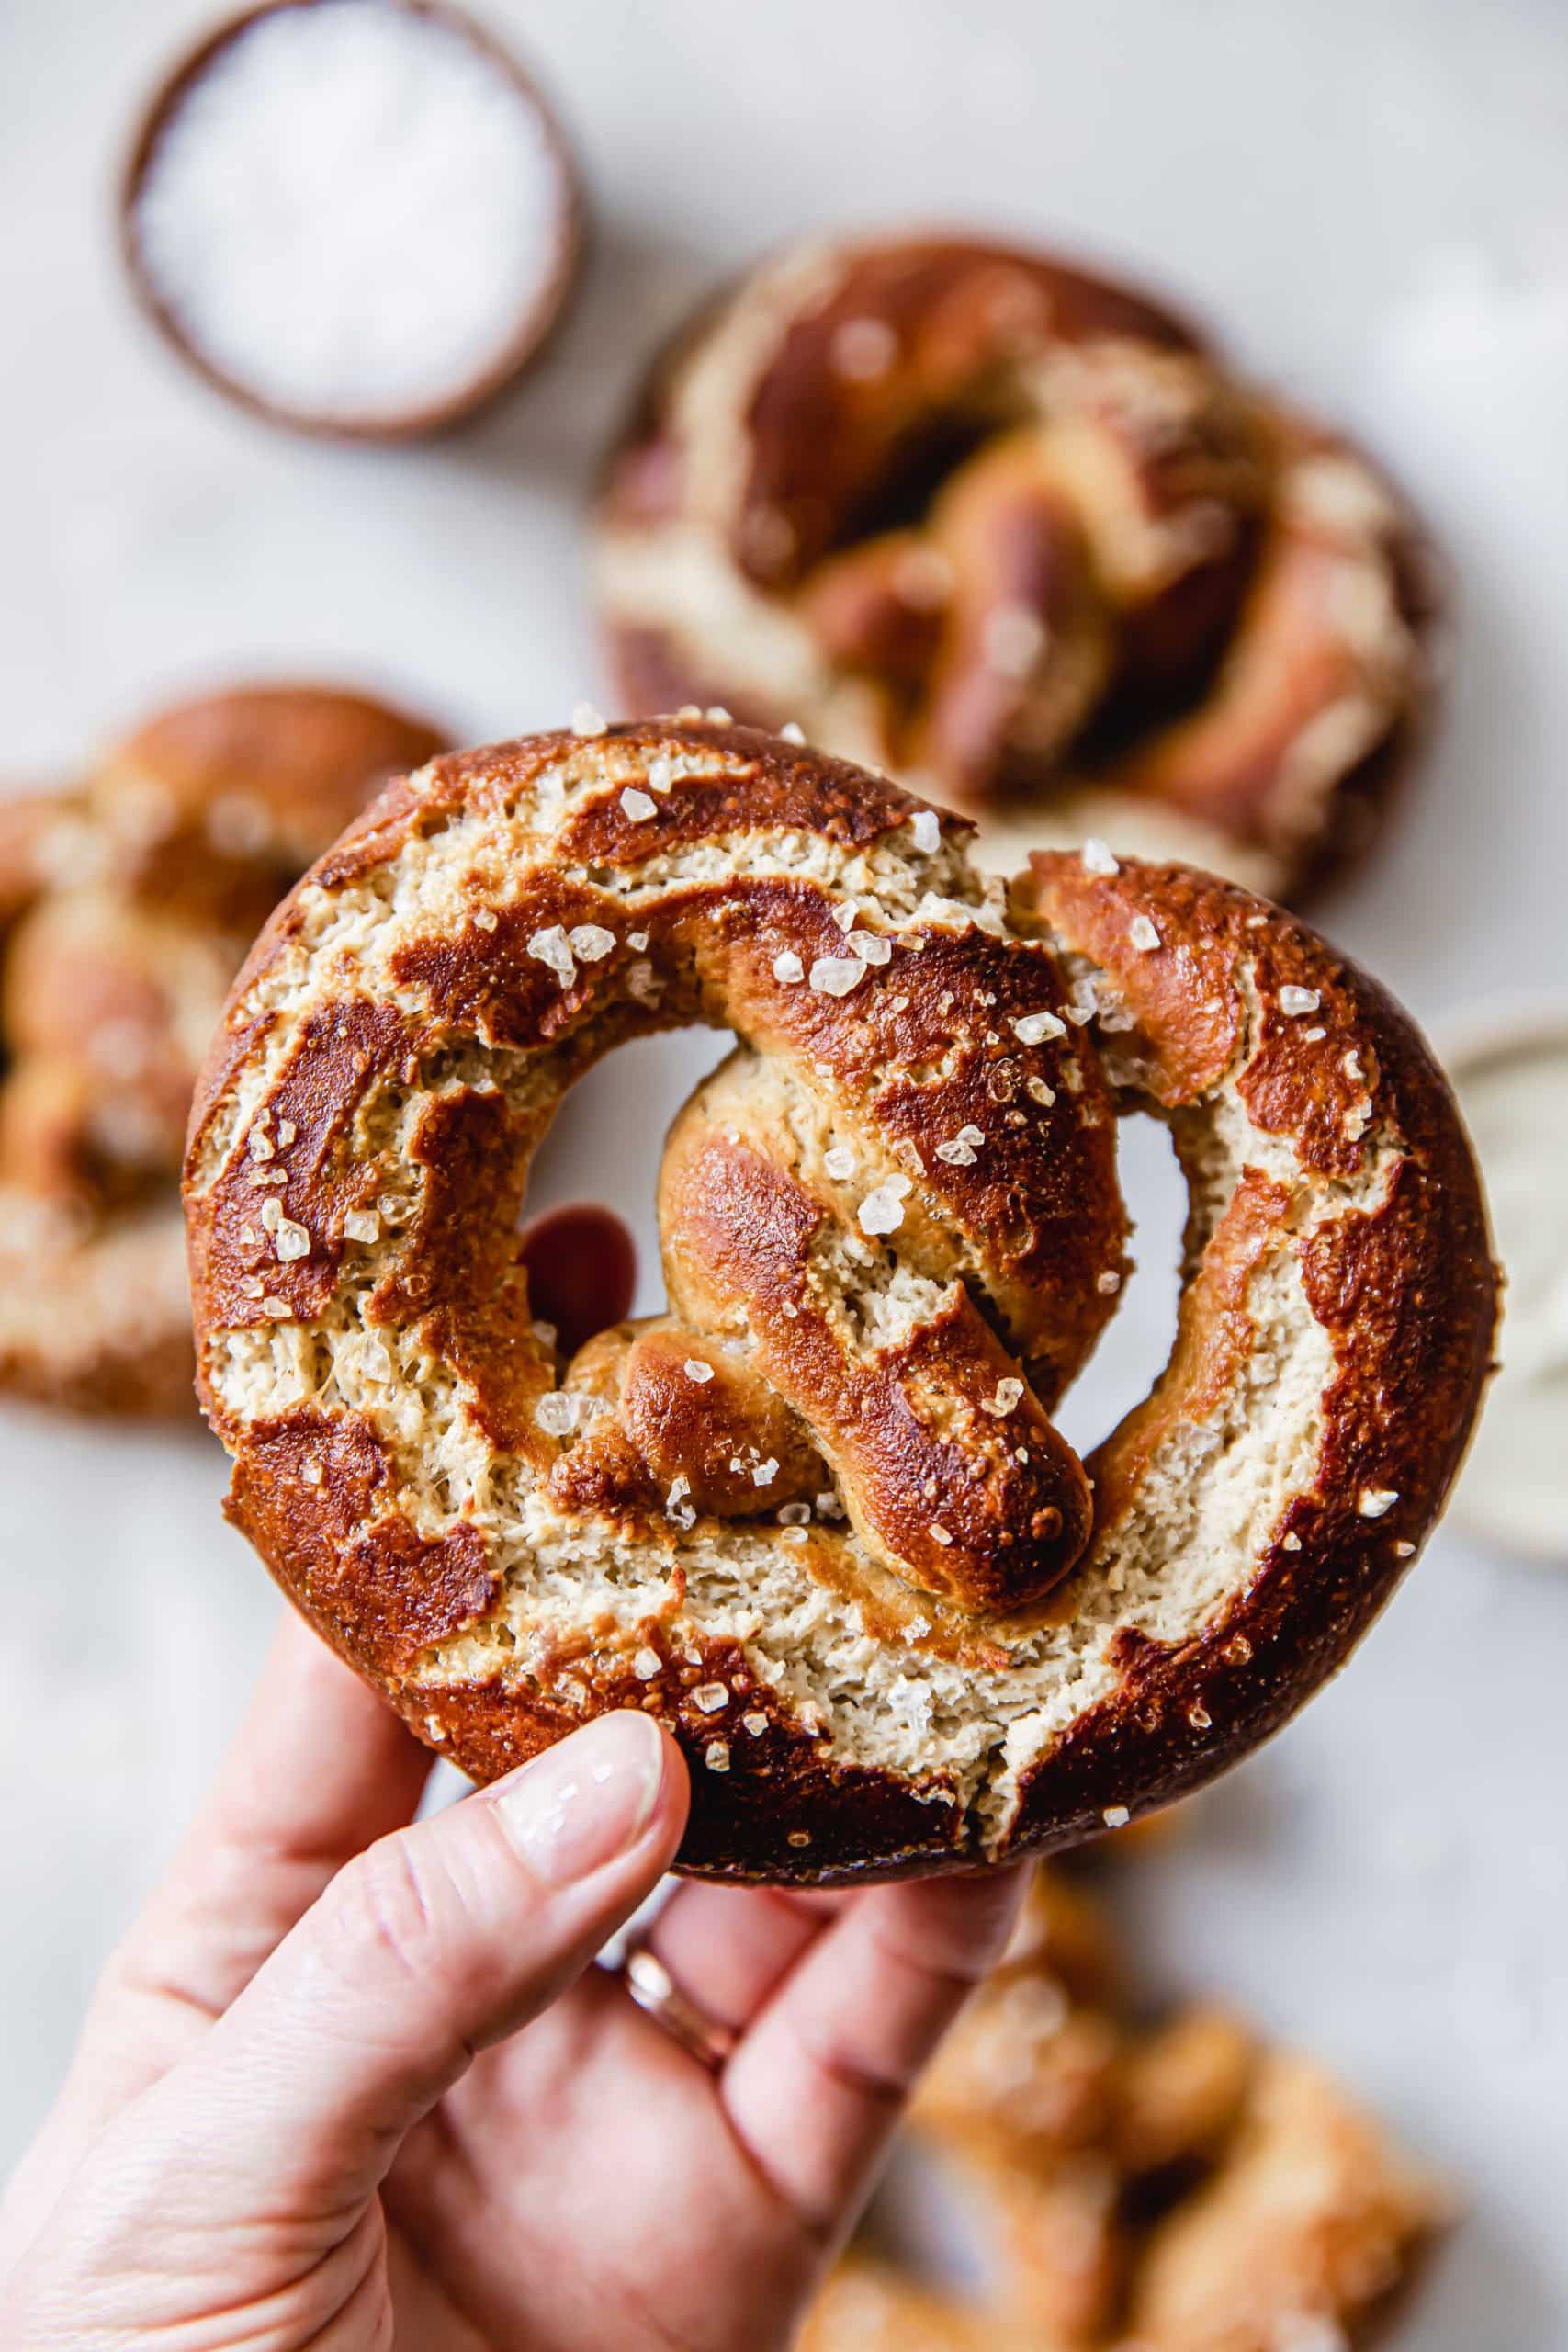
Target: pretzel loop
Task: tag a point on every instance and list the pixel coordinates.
(1022, 539)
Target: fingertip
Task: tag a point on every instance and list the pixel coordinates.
(614, 1792)
(963, 1917)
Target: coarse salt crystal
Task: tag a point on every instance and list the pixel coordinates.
(259, 1146)
(1116, 1816)
(755, 1724)
(871, 946)
(659, 774)
(717, 715)
(845, 914)
(1291, 1542)
(1033, 1028)
(556, 1413)
(1038, 1091)
(791, 732)
(637, 941)
(710, 1697)
(715, 1756)
(293, 1241)
(238, 826)
(286, 1131)
(698, 1371)
(647, 1664)
(1107, 1282)
(1010, 1393)
(1294, 1000)
(1375, 1500)
(487, 919)
(882, 1210)
(1143, 935)
(551, 947)
(1097, 857)
(271, 1215)
(545, 1333)
(839, 1162)
(926, 827)
(938, 1534)
(637, 805)
(837, 975)
(862, 349)
(362, 1225)
(1014, 639)
(765, 1473)
(591, 940)
(788, 968)
(586, 721)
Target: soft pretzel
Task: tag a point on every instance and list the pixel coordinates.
(1164, 2185)
(891, 1233)
(1022, 539)
(125, 907)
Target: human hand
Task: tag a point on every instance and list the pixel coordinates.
(302, 2112)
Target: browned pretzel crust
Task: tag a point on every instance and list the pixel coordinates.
(125, 909)
(891, 1234)
(1025, 539)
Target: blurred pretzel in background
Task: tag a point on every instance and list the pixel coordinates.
(1025, 540)
(1174, 2185)
(126, 906)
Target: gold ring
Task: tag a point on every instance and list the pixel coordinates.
(656, 1994)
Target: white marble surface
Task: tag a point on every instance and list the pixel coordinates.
(1372, 195)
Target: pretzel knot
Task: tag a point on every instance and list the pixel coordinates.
(1020, 536)
(817, 1514)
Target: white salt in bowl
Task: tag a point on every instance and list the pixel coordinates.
(355, 216)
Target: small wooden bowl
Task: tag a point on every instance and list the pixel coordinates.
(536, 324)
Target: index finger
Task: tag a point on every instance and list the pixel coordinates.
(816, 2085)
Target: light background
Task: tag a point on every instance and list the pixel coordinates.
(1371, 199)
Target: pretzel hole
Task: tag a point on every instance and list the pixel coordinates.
(1138, 1340)
(607, 1138)
(914, 472)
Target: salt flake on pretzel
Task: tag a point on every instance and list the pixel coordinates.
(817, 1514)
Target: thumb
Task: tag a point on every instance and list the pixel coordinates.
(431, 1943)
